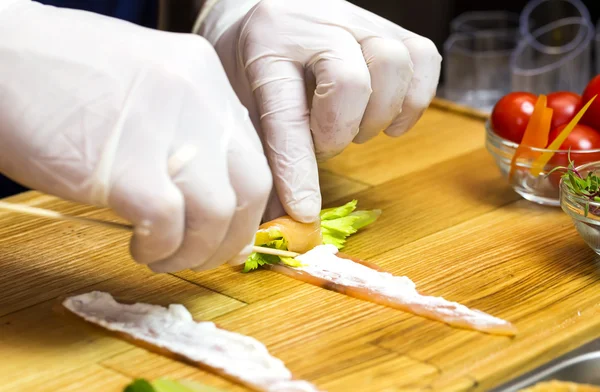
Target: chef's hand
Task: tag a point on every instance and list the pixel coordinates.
(101, 111)
(370, 76)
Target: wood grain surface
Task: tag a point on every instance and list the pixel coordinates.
(449, 222)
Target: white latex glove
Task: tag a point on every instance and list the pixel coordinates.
(370, 75)
(101, 111)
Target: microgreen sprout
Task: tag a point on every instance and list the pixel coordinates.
(587, 187)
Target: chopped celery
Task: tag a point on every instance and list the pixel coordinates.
(165, 385)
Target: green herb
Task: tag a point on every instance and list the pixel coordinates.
(338, 212)
(337, 224)
(165, 385)
(140, 386)
(258, 260)
(587, 187)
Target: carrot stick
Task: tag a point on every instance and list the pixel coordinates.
(545, 127)
(532, 137)
(535, 134)
(543, 159)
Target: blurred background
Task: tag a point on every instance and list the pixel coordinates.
(432, 18)
(493, 47)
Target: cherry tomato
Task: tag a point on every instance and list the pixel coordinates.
(511, 115)
(565, 106)
(592, 115)
(581, 138)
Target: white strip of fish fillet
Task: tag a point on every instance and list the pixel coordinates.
(384, 288)
(241, 357)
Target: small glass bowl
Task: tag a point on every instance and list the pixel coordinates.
(541, 189)
(573, 205)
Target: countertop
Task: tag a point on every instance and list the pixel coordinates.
(449, 222)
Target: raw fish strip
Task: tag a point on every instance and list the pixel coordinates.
(300, 237)
(173, 331)
(323, 267)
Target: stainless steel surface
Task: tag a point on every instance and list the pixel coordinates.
(581, 365)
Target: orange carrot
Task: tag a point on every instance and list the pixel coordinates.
(543, 159)
(532, 137)
(536, 133)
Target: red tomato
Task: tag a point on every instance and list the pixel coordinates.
(511, 115)
(581, 138)
(565, 106)
(592, 115)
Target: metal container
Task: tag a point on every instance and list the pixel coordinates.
(580, 366)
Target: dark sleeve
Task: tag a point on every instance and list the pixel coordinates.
(9, 188)
(140, 12)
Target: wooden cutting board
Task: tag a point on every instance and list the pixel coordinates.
(449, 222)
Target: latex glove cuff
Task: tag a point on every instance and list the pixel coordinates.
(216, 16)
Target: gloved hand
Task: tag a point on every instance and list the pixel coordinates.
(370, 75)
(101, 111)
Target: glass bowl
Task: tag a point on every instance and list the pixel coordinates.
(573, 205)
(541, 189)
